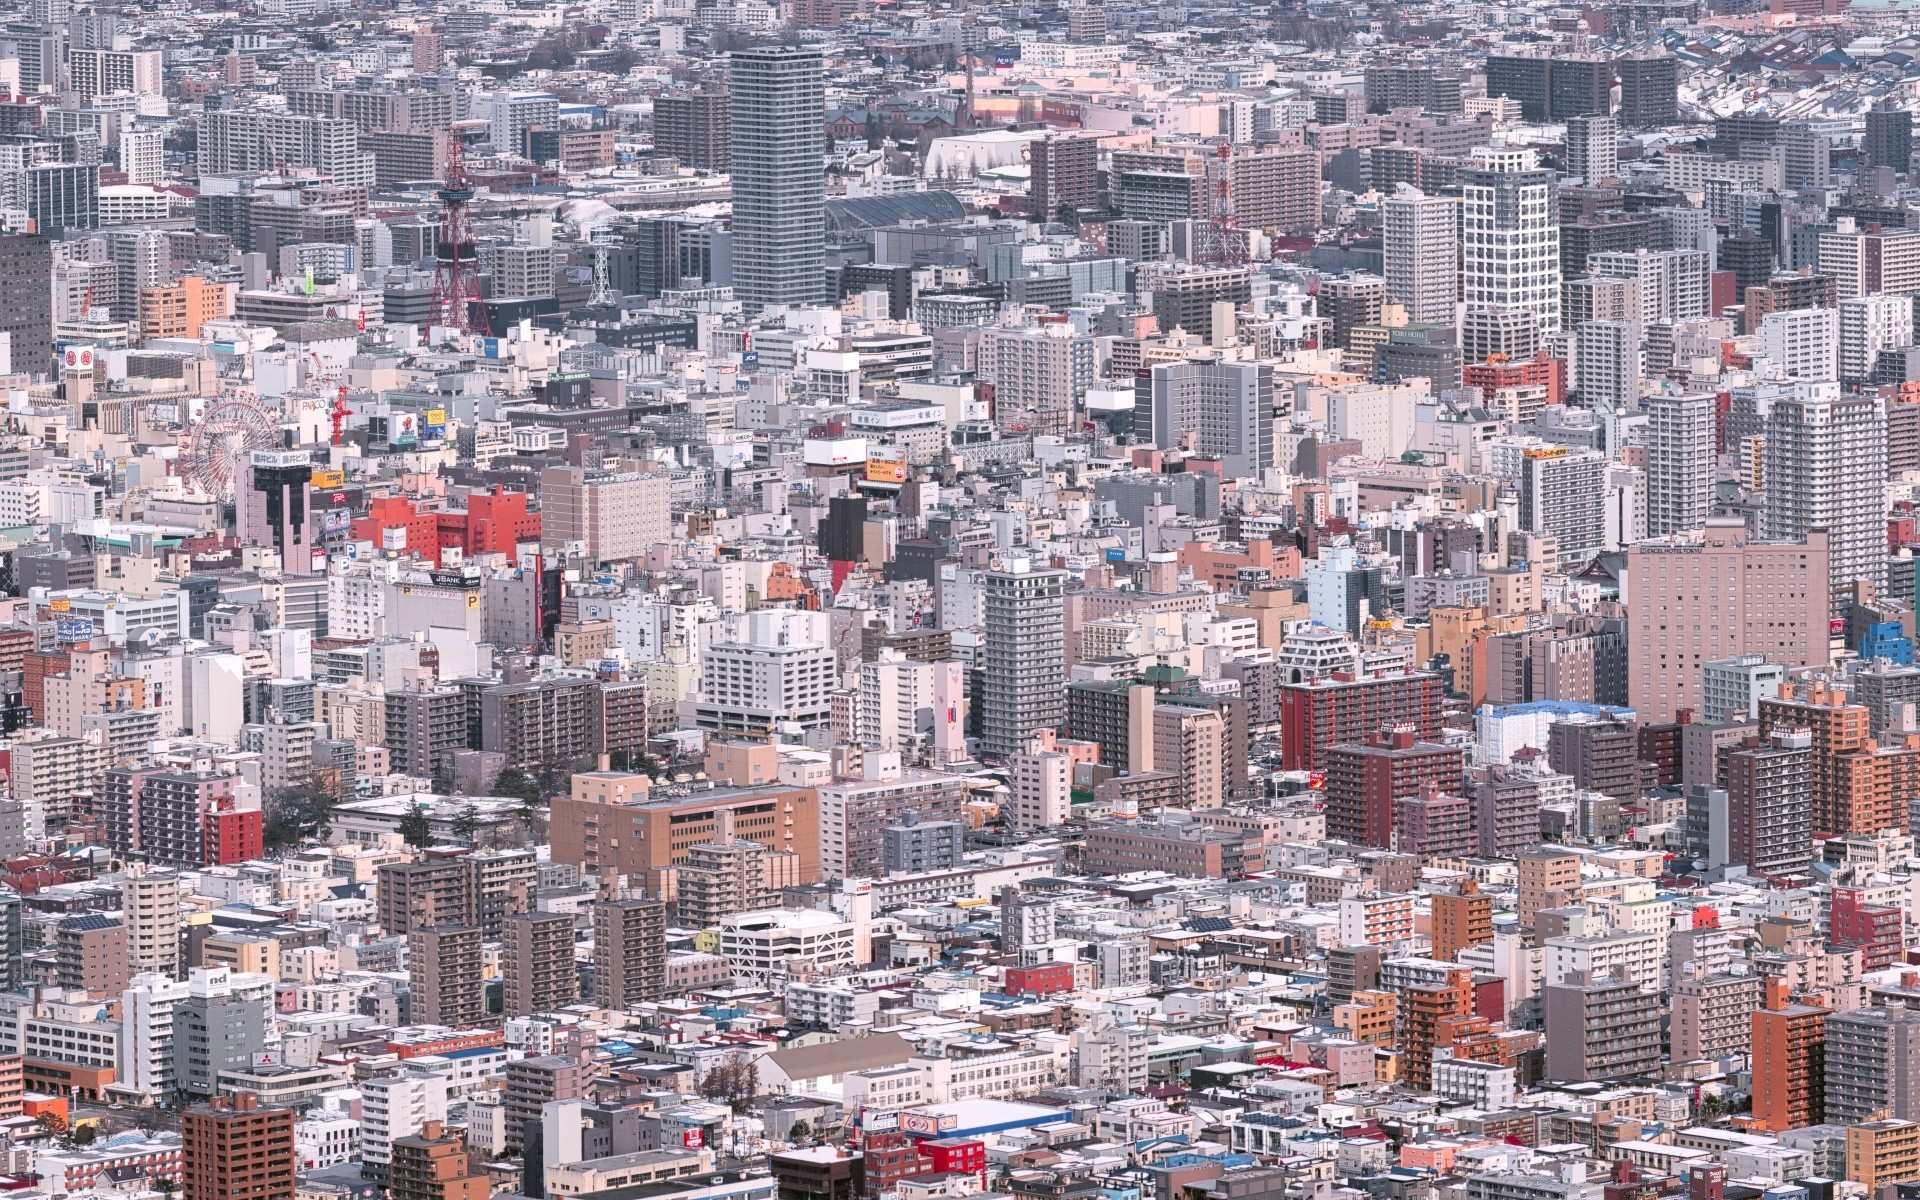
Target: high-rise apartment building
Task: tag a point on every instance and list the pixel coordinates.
(423, 728)
(1672, 285)
(1745, 596)
(1770, 798)
(1461, 919)
(1680, 461)
(1040, 376)
(1217, 409)
(1420, 240)
(1593, 148)
(432, 1165)
(1870, 260)
(1601, 1028)
(26, 301)
(1649, 88)
(719, 879)
(393, 1107)
(237, 1150)
(1868, 326)
(1789, 1061)
(1364, 779)
(1872, 1064)
(629, 952)
(1510, 247)
(150, 907)
(441, 891)
(1826, 470)
(446, 967)
(536, 963)
(1606, 362)
(91, 955)
(779, 176)
(1889, 139)
(1065, 174)
(695, 126)
(1557, 489)
(1712, 1016)
(1025, 656)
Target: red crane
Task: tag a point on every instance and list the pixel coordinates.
(340, 412)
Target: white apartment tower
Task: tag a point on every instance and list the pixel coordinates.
(1679, 461)
(1510, 241)
(1674, 285)
(1421, 253)
(1826, 469)
(1868, 325)
(1024, 656)
(1607, 365)
(1593, 148)
(1802, 343)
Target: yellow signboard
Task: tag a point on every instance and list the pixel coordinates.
(60, 605)
(328, 480)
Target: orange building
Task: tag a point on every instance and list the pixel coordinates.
(1460, 920)
(13, 1085)
(179, 311)
(1838, 728)
(1431, 1015)
(1789, 1062)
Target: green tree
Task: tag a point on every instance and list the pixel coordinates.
(415, 827)
(515, 783)
(302, 809)
(801, 1134)
(466, 823)
(83, 1135)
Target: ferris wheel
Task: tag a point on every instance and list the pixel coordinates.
(233, 426)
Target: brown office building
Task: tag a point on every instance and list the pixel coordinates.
(241, 1152)
(609, 825)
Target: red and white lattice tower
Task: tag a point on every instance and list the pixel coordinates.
(456, 277)
(1224, 243)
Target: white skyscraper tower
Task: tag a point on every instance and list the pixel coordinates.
(1827, 469)
(1510, 241)
(1593, 148)
(1421, 253)
(1025, 656)
(1679, 461)
(1607, 365)
(1868, 325)
(779, 177)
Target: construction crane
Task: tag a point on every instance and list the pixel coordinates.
(338, 412)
